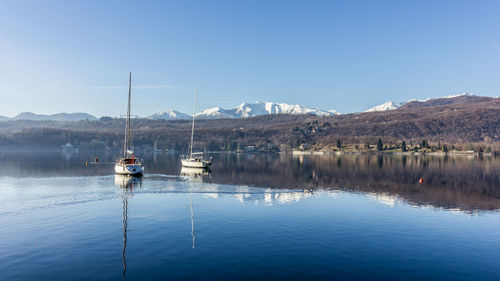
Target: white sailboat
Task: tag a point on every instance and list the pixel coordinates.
(195, 159)
(128, 164)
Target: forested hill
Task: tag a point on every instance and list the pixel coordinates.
(460, 121)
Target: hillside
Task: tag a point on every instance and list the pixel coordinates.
(460, 121)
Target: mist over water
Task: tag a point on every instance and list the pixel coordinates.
(273, 216)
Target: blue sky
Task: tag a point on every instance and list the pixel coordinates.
(74, 56)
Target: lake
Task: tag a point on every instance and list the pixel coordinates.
(253, 216)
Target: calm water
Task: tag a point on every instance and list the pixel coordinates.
(266, 216)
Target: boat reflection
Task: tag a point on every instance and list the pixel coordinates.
(465, 183)
(195, 174)
(192, 213)
(127, 183)
(124, 221)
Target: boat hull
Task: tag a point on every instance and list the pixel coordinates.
(129, 169)
(128, 181)
(195, 164)
(188, 171)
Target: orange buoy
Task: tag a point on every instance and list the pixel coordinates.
(421, 180)
(86, 163)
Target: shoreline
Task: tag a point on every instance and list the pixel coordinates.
(408, 153)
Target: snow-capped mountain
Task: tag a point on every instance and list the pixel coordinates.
(385, 106)
(216, 113)
(461, 95)
(169, 115)
(392, 105)
(451, 96)
(246, 110)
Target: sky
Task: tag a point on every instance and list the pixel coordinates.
(75, 56)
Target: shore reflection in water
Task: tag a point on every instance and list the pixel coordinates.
(282, 216)
(468, 184)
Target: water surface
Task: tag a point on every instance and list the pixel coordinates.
(271, 216)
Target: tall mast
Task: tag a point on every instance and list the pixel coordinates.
(126, 144)
(192, 126)
(128, 109)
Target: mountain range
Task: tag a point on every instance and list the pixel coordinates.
(385, 106)
(53, 117)
(464, 121)
(390, 105)
(244, 110)
(169, 115)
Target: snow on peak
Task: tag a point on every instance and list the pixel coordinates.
(392, 105)
(168, 115)
(385, 106)
(334, 112)
(246, 110)
(451, 96)
(251, 109)
(214, 113)
(465, 94)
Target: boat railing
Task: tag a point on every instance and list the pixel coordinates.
(130, 161)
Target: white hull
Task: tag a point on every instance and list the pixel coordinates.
(195, 164)
(129, 169)
(127, 181)
(187, 171)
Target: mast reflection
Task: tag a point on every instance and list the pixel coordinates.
(125, 218)
(127, 183)
(192, 213)
(193, 175)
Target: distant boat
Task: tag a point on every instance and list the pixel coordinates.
(128, 164)
(195, 159)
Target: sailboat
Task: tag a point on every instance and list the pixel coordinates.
(195, 159)
(128, 164)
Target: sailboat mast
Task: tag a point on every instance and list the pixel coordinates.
(128, 113)
(192, 126)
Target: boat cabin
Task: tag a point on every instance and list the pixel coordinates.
(130, 161)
